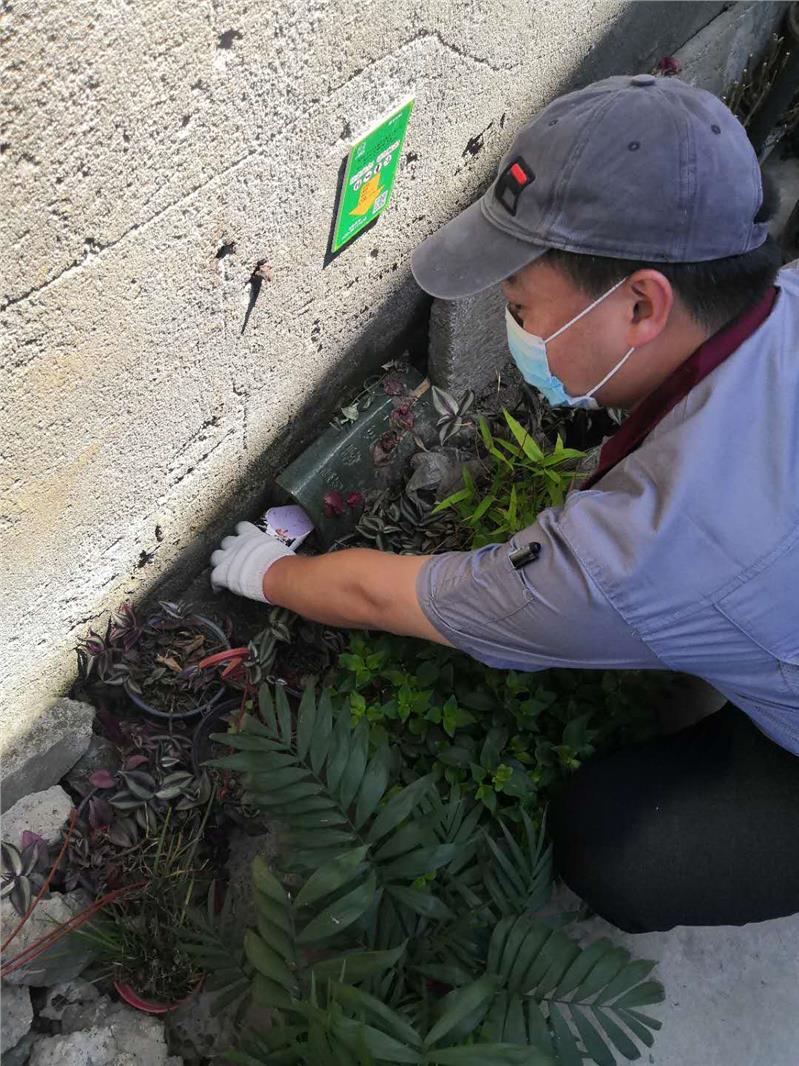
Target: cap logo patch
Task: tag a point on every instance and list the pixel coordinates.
(513, 180)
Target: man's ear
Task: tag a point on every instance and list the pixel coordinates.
(652, 298)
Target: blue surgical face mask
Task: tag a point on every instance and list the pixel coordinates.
(530, 356)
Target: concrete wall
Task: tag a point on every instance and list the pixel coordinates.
(139, 137)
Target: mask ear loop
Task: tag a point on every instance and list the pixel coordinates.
(590, 307)
(607, 377)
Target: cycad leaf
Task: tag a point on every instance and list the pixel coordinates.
(406, 839)
(250, 761)
(390, 1019)
(399, 807)
(608, 967)
(593, 1042)
(339, 751)
(286, 797)
(373, 785)
(620, 1040)
(266, 882)
(229, 996)
(635, 1022)
(246, 741)
(494, 1023)
(515, 1030)
(340, 915)
(489, 1055)
(323, 727)
(273, 912)
(357, 1036)
(270, 993)
(356, 764)
(266, 705)
(423, 903)
(331, 877)
(268, 962)
(358, 965)
(309, 838)
(534, 940)
(542, 961)
(566, 1046)
(277, 938)
(514, 876)
(562, 951)
(537, 1031)
(460, 1004)
(283, 714)
(642, 995)
(420, 862)
(272, 781)
(306, 720)
(582, 966)
(327, 818)
(496, 945)
(634, 972)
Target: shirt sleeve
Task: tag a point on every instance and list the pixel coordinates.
(548, 613)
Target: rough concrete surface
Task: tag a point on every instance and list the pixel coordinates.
(16, 1015)
(52, 745)
(139, 144)
(732, 993)
(717, 55)
(40, 812)
(61, 962)
(468, 343)
(125, 1037)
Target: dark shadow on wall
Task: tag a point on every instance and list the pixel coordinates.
(642, 34)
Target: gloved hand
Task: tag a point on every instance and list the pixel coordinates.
(240, 562)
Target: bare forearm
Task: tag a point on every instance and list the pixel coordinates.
(357, 588)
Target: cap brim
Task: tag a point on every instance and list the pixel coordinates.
(468, 255)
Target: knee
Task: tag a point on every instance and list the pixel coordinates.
(599, 850)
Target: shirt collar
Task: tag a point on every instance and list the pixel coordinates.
(710, 354)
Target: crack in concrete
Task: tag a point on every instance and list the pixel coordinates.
(97, 249)
(438, 36)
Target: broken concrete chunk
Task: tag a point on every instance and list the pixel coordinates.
(468, 344)
(43, 813)
(64, 960)
(53, 745)
(20, 1053)
(124, 1038)
(197, 1033)
(16, 1016)
(74, 1003)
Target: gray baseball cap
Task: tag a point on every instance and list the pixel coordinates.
(632, 167)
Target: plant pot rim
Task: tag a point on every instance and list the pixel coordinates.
(130, 996)
(197, 620)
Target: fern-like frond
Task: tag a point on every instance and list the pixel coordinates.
(215, 941)
(580, 995)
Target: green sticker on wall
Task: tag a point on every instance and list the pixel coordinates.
(369, 177)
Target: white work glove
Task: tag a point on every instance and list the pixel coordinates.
(240, 562)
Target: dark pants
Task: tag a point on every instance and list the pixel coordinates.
(697, 828)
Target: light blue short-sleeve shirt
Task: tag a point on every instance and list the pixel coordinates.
(684, 556)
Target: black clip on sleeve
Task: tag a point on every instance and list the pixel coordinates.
(524, 555)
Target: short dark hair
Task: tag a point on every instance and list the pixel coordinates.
(713, 292)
